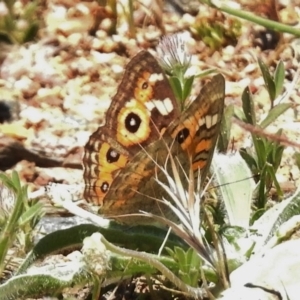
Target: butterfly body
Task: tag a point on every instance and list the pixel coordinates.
(143, 128)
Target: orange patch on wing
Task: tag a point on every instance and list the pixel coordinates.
(199, 165)
(204, 145)
(144, 90)
(120, 203)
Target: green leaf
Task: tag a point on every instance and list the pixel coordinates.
(170, 252)
(277, 153)
(34, 211)
(206, 73)
(296, 157)
(188, 83)
(8, 232)
(38, 284)
(257, 214)
(236, 194)
(224, 135)
(16, 180)
(31, 33)
(279, 78)
(262, 199)
(270, 85)
(7, 181)
(274, 113)
(189, 263)
(239, 114)
(249, 159)
(181, 258)
(271, 172)
(248, 106)
(267, 225)
(260, 150)
(144, 238)
(176, 87)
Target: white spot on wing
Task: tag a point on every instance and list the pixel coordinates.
(156, 77)
(208, 120)
(201, 121)
(215, 119)
(211, 120)
(163, 106)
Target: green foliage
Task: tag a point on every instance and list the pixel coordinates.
(249, 16)
(274, 84)
(275, 225)
(266, 156)
(189, 264)
(224, 135)
(182, 88)
(216, 33)
(19, 26)
(296, 157)
(123, 262)
(18, 220)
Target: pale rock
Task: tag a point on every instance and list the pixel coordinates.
(278, 270)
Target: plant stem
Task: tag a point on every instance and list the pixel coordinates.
(196, 293)
(132, 30)
(258, 20)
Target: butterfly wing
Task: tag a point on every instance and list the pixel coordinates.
(198, 129)
(103, 159)
(142, 108)
(191, 137)
(135, 188)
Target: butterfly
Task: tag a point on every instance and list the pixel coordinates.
(144, 125)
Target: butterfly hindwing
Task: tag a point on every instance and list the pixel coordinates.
(103, 159)
(199, 126)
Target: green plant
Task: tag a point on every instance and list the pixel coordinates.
(19, 26)
(274, 84)
(18, 218)
(175, 64)
(189, 264)
(217, 31)
(266, 156)
(128, 13)
(270, 24)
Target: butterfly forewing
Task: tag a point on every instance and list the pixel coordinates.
(142, 108)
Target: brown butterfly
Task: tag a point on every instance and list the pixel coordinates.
(143, 127)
